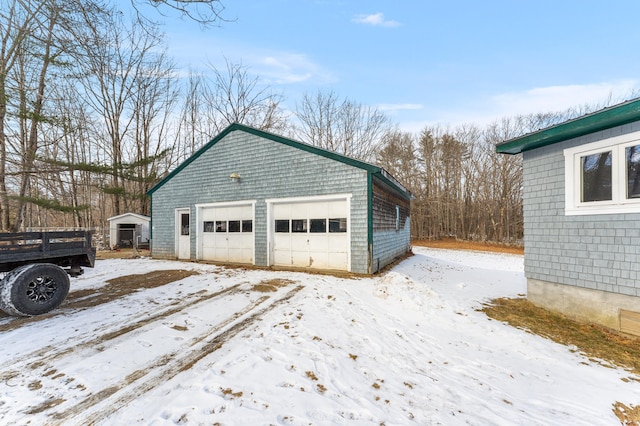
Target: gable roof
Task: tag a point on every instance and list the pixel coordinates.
(377, 172)
(606, 118)
(136, 215)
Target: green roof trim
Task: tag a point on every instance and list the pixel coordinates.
(606, 118)
(379, 172)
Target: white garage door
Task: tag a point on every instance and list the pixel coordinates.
(311, 234)
(227, 233)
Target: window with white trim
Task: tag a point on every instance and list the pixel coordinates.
(603, 177)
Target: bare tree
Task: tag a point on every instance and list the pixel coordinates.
(342, 126)
(234, 96)
(204, 12)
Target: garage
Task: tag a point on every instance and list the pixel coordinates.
(225, 232)
(311, 233)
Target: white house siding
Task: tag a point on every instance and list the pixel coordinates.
(267, 170)
(592, 252)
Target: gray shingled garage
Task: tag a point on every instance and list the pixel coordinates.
(252, 197)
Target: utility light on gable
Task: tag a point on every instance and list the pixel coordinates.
(235, 177)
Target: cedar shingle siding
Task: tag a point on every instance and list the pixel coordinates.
(271, 167)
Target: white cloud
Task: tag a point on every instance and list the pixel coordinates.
(399, 107)
(376, 19)
(560, 98)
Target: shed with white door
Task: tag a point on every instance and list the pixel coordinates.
(129, 230)
(252, 197)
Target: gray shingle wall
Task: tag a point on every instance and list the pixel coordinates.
(390, 245)
(268, 169)
(600, 252)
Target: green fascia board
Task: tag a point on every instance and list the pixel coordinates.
(607, 118)
(289, 142)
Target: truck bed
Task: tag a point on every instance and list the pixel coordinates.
(63, 248)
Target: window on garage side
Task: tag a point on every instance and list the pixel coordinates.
(299, 225)
(338, 224)
(318, 225)
(208, 226)
(247, 226)
(282, 225)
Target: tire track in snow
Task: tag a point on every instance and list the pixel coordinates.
(164, 368)
(42, 358)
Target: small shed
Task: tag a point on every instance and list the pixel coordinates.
(253, 197)
(581, 190)
(129, 230)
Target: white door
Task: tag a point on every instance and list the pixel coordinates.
(183, 237)
(311, 234)
(227, 233)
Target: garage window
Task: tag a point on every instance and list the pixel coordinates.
(338, 225)
(318, 225)
(208, 226)
(247, 226)
(299, 225)
(234, 226)
(282, 226)
(221, 226)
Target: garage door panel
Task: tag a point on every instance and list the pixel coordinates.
(227, 233)
(316, 234)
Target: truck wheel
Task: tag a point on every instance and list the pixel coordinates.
(33, 289)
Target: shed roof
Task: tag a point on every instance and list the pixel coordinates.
(606, 118)
(135, 215)
(377, 172)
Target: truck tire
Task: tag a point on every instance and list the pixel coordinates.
(33, 289)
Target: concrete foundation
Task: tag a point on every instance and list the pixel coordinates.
(582, 304)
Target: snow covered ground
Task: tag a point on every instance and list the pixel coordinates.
(407, 347)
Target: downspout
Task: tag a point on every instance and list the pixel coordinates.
(370, 222)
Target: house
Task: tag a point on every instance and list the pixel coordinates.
(129, 230)
(582, 216)
(252, 197)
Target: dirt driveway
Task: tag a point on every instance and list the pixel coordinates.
(109, 324)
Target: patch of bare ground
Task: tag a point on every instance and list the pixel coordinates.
(597, 343)
(628, 415)
(454, 244)
(112, 290)
(269, 286)
(122, 254)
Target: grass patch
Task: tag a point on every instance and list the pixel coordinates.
(595, 342)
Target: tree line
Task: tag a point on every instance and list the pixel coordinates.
(94, 112)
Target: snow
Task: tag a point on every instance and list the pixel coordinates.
(406, 347)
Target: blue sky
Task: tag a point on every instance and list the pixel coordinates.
(425, 62)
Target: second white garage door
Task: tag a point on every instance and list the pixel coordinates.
(226, 233)
(311, 234)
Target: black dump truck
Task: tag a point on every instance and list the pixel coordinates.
(37, 266)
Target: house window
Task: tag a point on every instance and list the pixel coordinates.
(633, 171)
(603, 177)
(596, 177)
